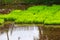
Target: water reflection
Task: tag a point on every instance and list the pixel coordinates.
(20, 33)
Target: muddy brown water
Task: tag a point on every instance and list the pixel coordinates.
(52, 33)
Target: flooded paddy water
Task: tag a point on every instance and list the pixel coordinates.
(19, 33)
(29, 32)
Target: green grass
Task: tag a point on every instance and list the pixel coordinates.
(35, 15)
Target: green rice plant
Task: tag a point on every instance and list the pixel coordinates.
(1, 21)
(15, 11)
(24, 18)
(36, 9)
(35, 14)
(58, 6)
(2, 16)
(12, 16)
(32, 16)
(54, 19)
(9, 18)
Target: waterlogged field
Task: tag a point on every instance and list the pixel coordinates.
(34, 14)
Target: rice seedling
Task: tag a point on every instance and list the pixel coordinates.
(35, 14)
(1, 21)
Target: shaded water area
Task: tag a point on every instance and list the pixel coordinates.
(19, 33)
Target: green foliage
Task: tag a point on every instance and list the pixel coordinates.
(12, 16)
(1, 21)
(54, 19)
(6, 1)
(35, 14)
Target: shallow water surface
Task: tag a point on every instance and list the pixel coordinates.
(20, 33)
